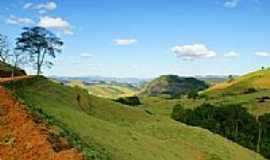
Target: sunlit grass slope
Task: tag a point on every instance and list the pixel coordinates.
(127, 133)
(259, 80)
(106, 90)
(236, 92)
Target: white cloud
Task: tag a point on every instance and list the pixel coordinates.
(191, 52)
(42, 6)
(125, 42)
(19, 21)
(28, 5)
(263, 54)
(231, 3)
(232, 54)
(55, 23)
(86, 55)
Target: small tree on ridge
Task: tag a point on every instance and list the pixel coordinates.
(40, 44)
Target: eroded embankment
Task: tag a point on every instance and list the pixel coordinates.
(22, 137)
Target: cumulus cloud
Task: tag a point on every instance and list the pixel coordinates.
(231, 54)
(124, 42)
(41, 6)
(191, 52)
(55, 23)
(231, 3)
(18, 20)
(263, 54)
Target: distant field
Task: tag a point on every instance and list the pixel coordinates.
(213, 80)
(106, 90)
(250, 101)
(127, 133)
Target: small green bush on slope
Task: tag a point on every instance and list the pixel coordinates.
(126, 132)
(131, 100)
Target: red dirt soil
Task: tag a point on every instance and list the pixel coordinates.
(21, 138)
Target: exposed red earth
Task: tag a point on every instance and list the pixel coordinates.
(23, 138)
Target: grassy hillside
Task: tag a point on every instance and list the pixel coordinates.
(234, 92)
(105, 90)
(259, 80)
(248, 90)
(173, 86)
(126, 133)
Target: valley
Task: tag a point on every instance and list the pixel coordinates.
(134, 80)
(123, 132)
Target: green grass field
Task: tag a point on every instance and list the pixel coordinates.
(165, 106)
(106, 90)
(127, 133)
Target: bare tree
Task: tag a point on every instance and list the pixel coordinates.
(17, 60)
(4, 48)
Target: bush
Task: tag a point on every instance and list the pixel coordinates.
(179, 113)
(193, 95)
(131, 101)
(250, 90)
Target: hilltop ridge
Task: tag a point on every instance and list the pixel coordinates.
(258, 80)
(173, 86)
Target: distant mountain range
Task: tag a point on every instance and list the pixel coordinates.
(106, 80)
(136, 82)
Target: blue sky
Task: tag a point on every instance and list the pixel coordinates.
(147, 38)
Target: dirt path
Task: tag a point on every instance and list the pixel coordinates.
(21, 138)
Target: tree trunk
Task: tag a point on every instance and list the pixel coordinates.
(12, 73)
(38, 63)
(38, 69)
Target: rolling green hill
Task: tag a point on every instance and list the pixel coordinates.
(112, 91)
(259, 80)
(172, 86)
(122, 132)
(251, 91)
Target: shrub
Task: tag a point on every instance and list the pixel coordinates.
(193, 95)
(131, 101)
(250, 90)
